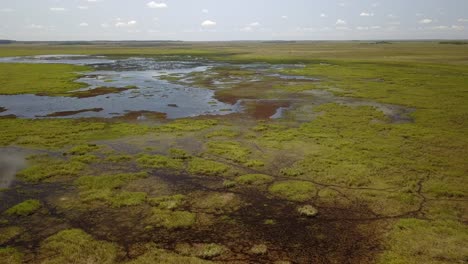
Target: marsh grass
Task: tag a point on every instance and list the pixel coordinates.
(24, 208)
(293, 190)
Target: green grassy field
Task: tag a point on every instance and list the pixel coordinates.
(337, 182)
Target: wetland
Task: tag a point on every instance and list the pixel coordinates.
(234, 153)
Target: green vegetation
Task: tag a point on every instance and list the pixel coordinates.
(223, 133)
(24, 208)
(76, 246)
(216, 202)
(200, 166)
(229, 150)
(254, 179)
(159, 162)
(179, 154)
(10, 255)
(420, 241)
(168, 202)
(185, 125)
(46, 79)
(259, 249)
(293, 190)
(155, 255)
(46, 168)
(106, 188)
(205, 251)
(8, 233)
(172, 219)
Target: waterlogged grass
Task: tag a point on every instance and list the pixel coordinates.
(172, 219)
(230, 150)
(24, 208)
(76, 246)
(156, 255)
(9, 233)
(44, 168)
(105, 188)
(205, 251)
(159, 162)
(46, 79)
(293, 190)
(10, 255)
(168, 202)
(420, 241)
(186, 125)
(254, 179)
(216, 202)
(199, 166)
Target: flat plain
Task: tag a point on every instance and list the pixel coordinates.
(234, 152)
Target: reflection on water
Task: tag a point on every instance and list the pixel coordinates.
(150, 94)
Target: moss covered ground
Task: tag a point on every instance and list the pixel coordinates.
(340, 178)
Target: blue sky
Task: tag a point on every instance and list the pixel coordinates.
(201, 20)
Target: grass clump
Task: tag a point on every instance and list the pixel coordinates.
(159, 162)
(229, 150)
(200, 166)
(172, 219)
(168, 202)
(415, 241)
(293, 190)
(8, 233)
(227, 133)
(105, 188)
(46, 168)
(119, 158)
(156, 255)
(216, 202)
(307, 210)
(179, 154)
(24, 208)
(48, 79)
(187, 125)
(254, 179)
(10, 255)
(206, 251)
(83, 149)
(259, 249)
(76, 246)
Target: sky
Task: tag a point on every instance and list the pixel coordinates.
(217, 20)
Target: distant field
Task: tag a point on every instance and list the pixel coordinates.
(366, 162)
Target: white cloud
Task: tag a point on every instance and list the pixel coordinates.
(362, 28)
(391, 16)
(35, 26)
(205, 11)
(456, 27)
(463, 20)
(246, 29)
(57, 9)
(153, 4)
(284, 17)
(323, 15)
(6, 10)
(84, 24)
(208, 23)
(254, 24)
(92, 0)
(105, 25)
(425, 21)
(83, 7)
(453, 27)
(125, 24)
(394, 23)
(364, 14)
(342, 28)
(341, 22)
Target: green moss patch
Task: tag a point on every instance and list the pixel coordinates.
(216, 202)
(293, 190)
(155, 255)
(45, 168)
(24, 208)
(229, 150)
(10, 255)
(254, 179)
(168, 202)
(201, 250)
(159, 162)
(9, 233)
(415, 241)
(172, 219)
(76, 246)
(198, 166)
